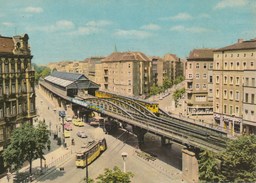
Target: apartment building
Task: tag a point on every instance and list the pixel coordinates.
(17, 94)
(170, 67)
(127, 73)
(176, 66)
(234, 87)
(199, 82)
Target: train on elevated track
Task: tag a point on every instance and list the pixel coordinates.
(151, 106)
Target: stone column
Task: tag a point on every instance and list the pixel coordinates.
(190, 166)
(140, 132)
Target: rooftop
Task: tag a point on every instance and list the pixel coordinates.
(240, 45)
(204, 53)
(126, 56)
(6, 44)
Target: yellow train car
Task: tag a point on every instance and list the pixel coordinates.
(90, 153)
(152, 106)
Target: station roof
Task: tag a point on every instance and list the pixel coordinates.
(71, 80)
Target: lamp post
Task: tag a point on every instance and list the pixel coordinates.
(62, 114)
(124, 155)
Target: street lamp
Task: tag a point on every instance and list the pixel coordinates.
(124, 155)
(62, 114)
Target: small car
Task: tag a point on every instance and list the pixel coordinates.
(68, 119)
(68, 126)
(81, 134)
(67, 134)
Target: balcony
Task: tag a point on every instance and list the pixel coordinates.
(10, 96)
(10, 117)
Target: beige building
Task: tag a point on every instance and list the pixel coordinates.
(127, 73)
(234, 87)
(17, 92)
(199, 82)
(175, 68)
(169, 67)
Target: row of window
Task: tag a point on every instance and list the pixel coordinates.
(250, 82)
(228, 94)
(231, 80)
(204, 86)
(11, 110)
(201, 65)
(250, 99)
(232, 110)
(232, 67)
(12, 90)
(237, 55)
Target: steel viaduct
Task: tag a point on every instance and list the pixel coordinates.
(191, 135)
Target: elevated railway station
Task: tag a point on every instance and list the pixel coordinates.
(76, 94)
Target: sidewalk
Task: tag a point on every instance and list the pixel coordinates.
(52, 160)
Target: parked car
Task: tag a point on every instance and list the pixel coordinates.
(78, 122)
(68, 126)
(67, 134)
(68, 119)
(81, 134)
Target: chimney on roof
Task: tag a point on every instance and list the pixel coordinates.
(240, 40)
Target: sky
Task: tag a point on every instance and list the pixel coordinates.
(68, 30)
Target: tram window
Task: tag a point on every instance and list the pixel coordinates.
(154, 106)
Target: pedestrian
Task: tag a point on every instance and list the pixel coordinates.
(8, 176)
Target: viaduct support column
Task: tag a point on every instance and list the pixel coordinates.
(140, 134)
(189, 166)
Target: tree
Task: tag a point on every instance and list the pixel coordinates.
(167, 83)
(209, 169)
(178, 94)
(26, 145)
(114, 176)
(154, 90)
(238, 162)
(42, 138)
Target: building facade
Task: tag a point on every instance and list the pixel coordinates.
(127, 73)
(169, 67)
(17, 92)
(234, 84)
(199, 82)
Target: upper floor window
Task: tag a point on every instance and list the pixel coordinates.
(237, 80)
(237, 95)
(231, 95)
(211, 65)
(205, 65)
(231, 65)
(217, 93)
(197, 86)
(225, 65)
(190, 76)
(217, 79)
(204, 76)
(225, 94)
(253, 81)
(210, 79)
(244, 64)
(225, 79)
(197, 65)
(197, 76)
(231, 80)
(218, 65)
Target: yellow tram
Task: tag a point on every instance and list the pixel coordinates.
(152, 106)
(90, 152)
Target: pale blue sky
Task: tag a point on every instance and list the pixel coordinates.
(77, 29)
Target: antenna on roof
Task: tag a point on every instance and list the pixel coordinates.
(115, 48)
